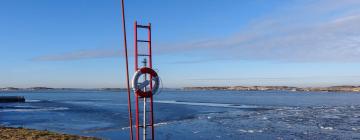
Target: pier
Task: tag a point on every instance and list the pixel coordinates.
(12, 99)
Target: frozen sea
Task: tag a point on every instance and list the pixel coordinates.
(192, 115)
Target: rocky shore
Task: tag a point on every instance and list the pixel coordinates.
(7, 133)
(7, 89)
(280, 88)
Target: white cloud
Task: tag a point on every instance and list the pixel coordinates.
(78, 55)
(324, 31)
(327, 31)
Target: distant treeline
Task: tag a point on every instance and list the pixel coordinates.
(279, 88)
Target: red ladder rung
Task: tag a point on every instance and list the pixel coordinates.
(142, 26)
(143, 55)
(143, 41)
(148, 125)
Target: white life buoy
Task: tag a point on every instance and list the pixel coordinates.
(138, 87)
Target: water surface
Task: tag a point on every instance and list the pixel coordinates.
(193, 114)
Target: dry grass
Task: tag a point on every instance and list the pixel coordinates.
(7, 133)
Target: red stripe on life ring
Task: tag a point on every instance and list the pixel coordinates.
(148, 71)
(143, 94)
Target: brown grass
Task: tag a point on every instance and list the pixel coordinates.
(7, 133)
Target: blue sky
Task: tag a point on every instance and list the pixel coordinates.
(78, 43)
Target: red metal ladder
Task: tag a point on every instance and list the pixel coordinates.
(147, 122)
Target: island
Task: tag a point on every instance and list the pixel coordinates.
(280, 88)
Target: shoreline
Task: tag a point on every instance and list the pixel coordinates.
(355, 89)
(343, 88)
(19, 133)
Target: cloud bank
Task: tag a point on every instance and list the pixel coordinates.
(327, 31)
(321, 31)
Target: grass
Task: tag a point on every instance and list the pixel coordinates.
(8, 133)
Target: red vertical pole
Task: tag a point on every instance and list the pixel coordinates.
(127, 69)
(136, 96)
(150, 52)
(151, 98)
(136, 47)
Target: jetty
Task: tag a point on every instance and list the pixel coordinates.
(12, 99)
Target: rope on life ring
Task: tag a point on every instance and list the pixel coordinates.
(137, 87)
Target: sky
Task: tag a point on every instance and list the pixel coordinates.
(79, 43)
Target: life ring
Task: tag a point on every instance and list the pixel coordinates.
(137, 87)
